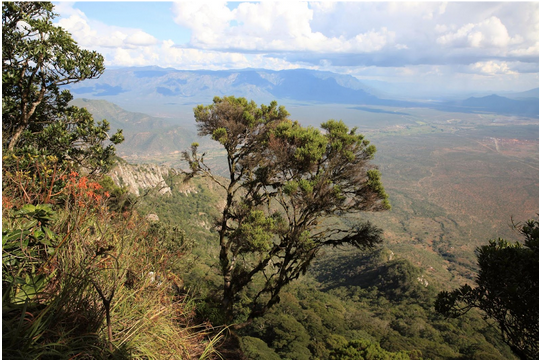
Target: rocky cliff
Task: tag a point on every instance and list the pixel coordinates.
(141, 177)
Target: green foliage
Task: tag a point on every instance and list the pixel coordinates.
(191, 207)
(308, 143)
(255, 348)
(83, 276)
(375, 183)
(255, 233)
(310, 321)
(119, 198)
(351, 299)
(507, 289)
(366, 350)
(31, 179)
(22, 248)
(219, 135)
(37, 59)
(284, 180)
(399, 280)
(288, 337)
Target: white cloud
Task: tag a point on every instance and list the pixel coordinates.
(442, 8)
(192, 58)
(488, 33)
(65, 9)
(532, 50)
(77, 25)
(323, 6)
(522, 67)
(385, 40)
(124, 57)
(140, 38)
(441, 28)
(133, 47)
(206, 19)
(269, 26)
(167, 54)
(491, 68)
(94, 34)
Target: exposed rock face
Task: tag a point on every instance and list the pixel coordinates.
(152, 217)
(423, 281)
(141, 177)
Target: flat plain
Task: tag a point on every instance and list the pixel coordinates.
(455, 181)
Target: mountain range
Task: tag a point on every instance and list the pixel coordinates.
(181, 87)
(522, 106)
(532, 93)
(171, 92)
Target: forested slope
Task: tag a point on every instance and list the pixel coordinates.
(349, 295)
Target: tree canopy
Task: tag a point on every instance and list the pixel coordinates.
(285, 182)
(366, 350)
(507, 290)
(37, 59)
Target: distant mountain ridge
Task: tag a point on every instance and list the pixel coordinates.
(171, 86)
(532, 93)
(119, 117)
(495, 104)
(171, 91)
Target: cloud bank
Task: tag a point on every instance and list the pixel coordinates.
(496, 40)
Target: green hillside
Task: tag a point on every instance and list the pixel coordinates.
(380, 297)
(144, 135)
(452, 184)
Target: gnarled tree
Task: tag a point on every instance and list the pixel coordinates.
(284, 183)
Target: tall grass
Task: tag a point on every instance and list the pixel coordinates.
(83, 282)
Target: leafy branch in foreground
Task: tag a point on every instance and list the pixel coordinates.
(507, 290)
(284, 182)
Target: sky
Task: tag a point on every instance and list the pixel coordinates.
(457, 46)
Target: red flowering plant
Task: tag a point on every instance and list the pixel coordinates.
(70, 263)
(33, 186)
(49, 253)
(84, 193)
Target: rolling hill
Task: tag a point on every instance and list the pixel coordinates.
(144, 135)
(523, 106)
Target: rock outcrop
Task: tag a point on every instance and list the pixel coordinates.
(141, 177)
